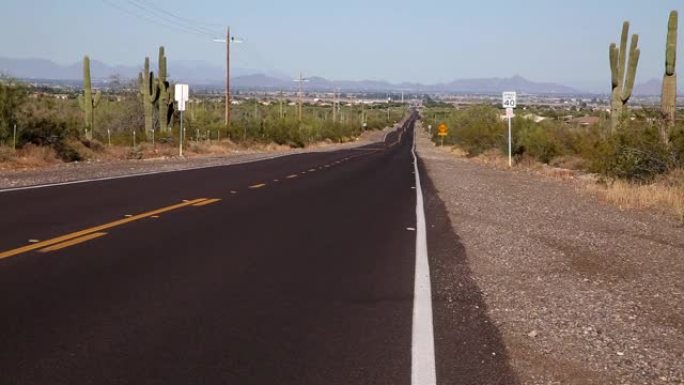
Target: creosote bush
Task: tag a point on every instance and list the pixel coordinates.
(635, 151)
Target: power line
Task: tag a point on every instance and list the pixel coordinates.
(171, 18)
(164, 23)
(150, 10)
(208, 26)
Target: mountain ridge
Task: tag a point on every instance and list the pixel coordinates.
(199, 73)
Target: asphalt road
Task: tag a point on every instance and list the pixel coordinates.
(296, 270)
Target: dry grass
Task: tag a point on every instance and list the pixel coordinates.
(666, 195)
(28, 157)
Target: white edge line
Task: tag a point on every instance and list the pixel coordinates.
(423, 368)
(144, 174)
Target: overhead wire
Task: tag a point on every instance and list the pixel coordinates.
(172, 18)
(165, 22)
(143, 9)
(208, 26)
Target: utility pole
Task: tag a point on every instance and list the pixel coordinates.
(228, 40)
(227, 111)
(334, 105)
(299, 94)
(281, 105)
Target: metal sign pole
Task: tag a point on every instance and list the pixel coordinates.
(182, 96)
(509, 103)
(14, 141)
(510, 145)
(180, 135)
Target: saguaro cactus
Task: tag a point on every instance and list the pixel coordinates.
(165, 94)
(669, 96)
(622, 82)
(149, 91)
(87, 102)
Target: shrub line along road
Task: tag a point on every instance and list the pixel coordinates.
(296, 270)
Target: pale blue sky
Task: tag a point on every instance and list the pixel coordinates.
(425, 41)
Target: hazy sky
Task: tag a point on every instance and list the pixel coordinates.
(425, 41)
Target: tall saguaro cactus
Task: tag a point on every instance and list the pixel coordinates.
(87, 102)
(669, 95)
(623, 74)
(149, 91)
(165, 94)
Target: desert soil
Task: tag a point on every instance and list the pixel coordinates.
(581, 291)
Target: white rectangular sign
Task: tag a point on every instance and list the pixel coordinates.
(509, 100)
(509, 113)
(182, 95)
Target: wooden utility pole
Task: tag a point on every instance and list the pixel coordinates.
(280, 99)
(228, 102)
(334, 105)
(299, 95)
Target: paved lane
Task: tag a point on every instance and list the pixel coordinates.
(297, 270)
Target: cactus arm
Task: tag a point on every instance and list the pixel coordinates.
(634, 54)
(671, 47)
(98, 98)
(86, 74)
(613, 53)
(154, 89)
(623, 52)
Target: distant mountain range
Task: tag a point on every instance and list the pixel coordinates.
(652, 87)
(195, 72)
(199, 73)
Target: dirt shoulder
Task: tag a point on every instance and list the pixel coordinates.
(69, 172)
(580, 291)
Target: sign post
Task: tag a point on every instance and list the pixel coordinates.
(443, 131)
(509, 103)
(182, 94)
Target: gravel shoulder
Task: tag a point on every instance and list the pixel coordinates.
(580, 291)
(77, 171)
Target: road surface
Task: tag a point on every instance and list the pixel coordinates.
(295, 270)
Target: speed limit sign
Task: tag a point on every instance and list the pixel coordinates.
(509, 100)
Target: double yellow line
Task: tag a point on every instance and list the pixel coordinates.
(97, 231)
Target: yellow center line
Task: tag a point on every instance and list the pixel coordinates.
(292, 176)
(72, 242)
(207, 202)
(256, 186)
(54, 241)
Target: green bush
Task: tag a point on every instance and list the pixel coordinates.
(634, 152)
(677, 144)
(538, 141)
(475, 130)
(12, 96)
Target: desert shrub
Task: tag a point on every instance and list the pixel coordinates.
(120, 114)
(44, 132)
(677, 144)
(539, 141)
(475, 130)
(67, 151)
(12, 96)
(634, 152)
